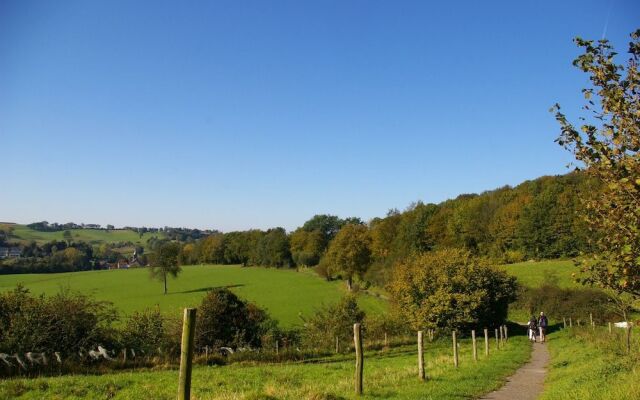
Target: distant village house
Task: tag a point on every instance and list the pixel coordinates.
(10, 252)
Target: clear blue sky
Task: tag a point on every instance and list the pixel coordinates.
(240, 114)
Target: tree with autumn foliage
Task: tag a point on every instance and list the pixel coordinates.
(450, 288)
(606, 146)
(349, 253)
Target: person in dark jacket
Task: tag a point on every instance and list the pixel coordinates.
(542, 325)
(533, 328)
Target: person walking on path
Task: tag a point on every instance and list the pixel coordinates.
(533, 328)
(542, 324)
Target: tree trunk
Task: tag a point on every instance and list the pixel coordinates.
(165, 282)
(349, 284)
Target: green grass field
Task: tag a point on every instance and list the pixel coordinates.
(533, 274)
(590, 365)
(391, 374)
(283, 293)
(24, 234)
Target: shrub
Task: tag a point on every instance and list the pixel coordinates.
(390, 324)
(147, 331)
(225, 320)
(332, 321)
(64, 322)
(557, 302)
(450, 289)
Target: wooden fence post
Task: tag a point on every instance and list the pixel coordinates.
(564, 323)
(277, 347)
(475, 347)
(455, 349)
(610, 327)
(497, 342)
(357, 339)
(506, 334)
(629, 326)
(570, 323)
(591, 320)
(420, 357)
(337, 345)
(486, 342)
(186, 354)
(124, 356)
(386, 340)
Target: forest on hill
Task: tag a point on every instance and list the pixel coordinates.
(534, 220)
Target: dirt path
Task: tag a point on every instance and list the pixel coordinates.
(528, 381)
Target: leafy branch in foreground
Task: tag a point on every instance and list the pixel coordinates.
(607, 145)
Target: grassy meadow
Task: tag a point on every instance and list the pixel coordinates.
(24, 234)
(387, 374)
(533, 273)
(283, 293)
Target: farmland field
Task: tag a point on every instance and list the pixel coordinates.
(283, 293)
(24, 234)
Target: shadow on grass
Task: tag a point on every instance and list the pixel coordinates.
(209, 288)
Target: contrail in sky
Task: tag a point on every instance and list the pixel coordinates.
(606, 23)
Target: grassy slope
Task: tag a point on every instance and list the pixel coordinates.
(387, 375)
(22, 233)
(284, 293)
(587, 366)
(532, 274)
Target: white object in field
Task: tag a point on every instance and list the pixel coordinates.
(104, 353)
(36, 358)
(623, 324)
(58, 358)
(5, 357)
(20, 362)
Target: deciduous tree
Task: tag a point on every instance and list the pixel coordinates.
(606, 146)
(349, 253)
(165, 262)
(450, 288)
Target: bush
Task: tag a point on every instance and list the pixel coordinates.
(450, 289)
(514, 256)
(557, 303)
(148, 331)
(65, 322)
(225, 320)
(332, 321)
(390, 324)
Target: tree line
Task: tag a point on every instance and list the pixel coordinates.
(535, 220)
